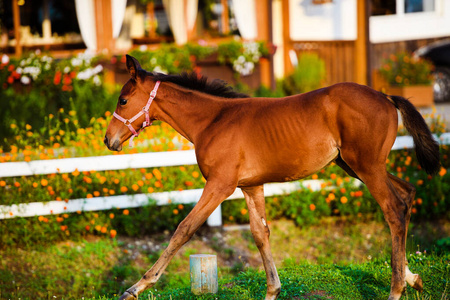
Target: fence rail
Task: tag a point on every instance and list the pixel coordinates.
(144, 160)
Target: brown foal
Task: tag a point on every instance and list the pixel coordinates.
(246, 142)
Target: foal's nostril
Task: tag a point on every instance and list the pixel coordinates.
(106, 141)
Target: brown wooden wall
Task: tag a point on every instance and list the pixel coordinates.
(338, 57)
(381, 51)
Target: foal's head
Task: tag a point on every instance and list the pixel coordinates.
(130, 114)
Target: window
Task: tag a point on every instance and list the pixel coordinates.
(418, 6)
(392, 7)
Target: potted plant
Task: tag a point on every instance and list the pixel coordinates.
(409, 77)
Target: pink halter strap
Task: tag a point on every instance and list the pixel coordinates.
(140, 113)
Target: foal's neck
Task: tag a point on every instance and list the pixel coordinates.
(189, 112)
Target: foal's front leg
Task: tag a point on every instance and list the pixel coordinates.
(254, 197)
(213, 194)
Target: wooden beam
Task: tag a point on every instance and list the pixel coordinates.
(264, 24)
(225, 17)
(103, 22)
(287, 43)
(362, 44)
(16, 17)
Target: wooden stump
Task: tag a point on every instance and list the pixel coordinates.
(203, 274)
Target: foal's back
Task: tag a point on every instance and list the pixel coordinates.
(275, 140)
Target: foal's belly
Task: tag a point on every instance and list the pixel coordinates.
(282, 168)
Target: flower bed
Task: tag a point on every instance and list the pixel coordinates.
(340, 195)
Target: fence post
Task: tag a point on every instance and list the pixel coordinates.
(203, 274)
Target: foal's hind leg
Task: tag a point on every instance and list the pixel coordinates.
(407, 192)
(396, 212)
(254, 197)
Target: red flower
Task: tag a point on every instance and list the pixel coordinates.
(67, 80)
(10, 80)
(57, 79)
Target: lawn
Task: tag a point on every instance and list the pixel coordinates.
(335, 259)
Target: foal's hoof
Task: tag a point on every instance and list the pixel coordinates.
(128, 296)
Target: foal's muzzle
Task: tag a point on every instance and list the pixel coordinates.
(115, 146)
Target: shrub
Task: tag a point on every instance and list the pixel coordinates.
(402, 69)
(309, 75)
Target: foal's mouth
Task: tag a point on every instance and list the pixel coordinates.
(116, 146)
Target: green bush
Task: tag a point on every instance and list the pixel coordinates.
(309, 75)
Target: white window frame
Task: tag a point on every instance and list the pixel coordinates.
(411, 26)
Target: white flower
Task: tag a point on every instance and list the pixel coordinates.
(97, 80)
(66, 69)
(153, 61)
(5, 59)
(25, 80)
(158, 69)
(19, 70)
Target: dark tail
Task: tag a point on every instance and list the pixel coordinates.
(427, 148)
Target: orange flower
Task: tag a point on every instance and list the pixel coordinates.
(419, 182)
(64, 227)
(344, 199)
(442, 172)
(135, 187)
(358, 194)
(123, 189)
(112, 192)
(312, 207)
(244, 211)
(98, 227)
(96, 193)
(157, 174)
(76, 173)
(111, 216)
(104, 229)
(44, 182)
(315, 176)
(158, 184)
(180, 206)
(175, 211)
(195, 174)
(89, 196)
(140, 183)
(414, 210)
(188, 183)
(148, 176)
(3, 183)
(150, 190)
(126, 212)
(87, 227)
(331, 196)
(112, 233)
(17, 184)
(419, 201)
(333, 176)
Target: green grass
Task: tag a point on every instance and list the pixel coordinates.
(326, 261)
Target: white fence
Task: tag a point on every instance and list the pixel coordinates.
(144, 160)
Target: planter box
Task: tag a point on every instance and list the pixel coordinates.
(419, 95)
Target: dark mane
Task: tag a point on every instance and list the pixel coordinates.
(192, 81)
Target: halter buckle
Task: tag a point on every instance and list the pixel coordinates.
(127, 121)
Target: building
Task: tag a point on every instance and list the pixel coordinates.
(350, 35)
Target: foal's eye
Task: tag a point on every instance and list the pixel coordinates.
(122, 101)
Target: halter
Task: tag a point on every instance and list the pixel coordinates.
(140, 113)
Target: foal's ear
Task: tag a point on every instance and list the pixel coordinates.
(133, 66)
